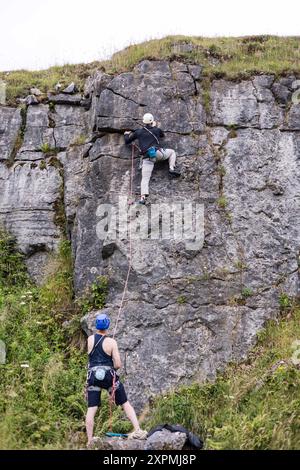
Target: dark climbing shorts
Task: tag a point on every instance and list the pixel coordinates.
(95, 386)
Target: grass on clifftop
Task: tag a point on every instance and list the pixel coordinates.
(254, 405)
(231, 57)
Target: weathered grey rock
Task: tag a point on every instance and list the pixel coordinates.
(96, 83)
(10, 124)
(293, 122)
(188, 311)
(234, 104)
(27, 209)
(282, 89)
(219, 135)
(165, 440)
(270, 114)
(63, 98)
(70, 126)
(37, 132)
(180, 48)
(47, 129)
(115, 443)
(167, 90)
(245, 104)
(195, 71)
(266, 167)
(161, 440)
(31, 100)
(109, 145)
(31, 156)
(75, 169)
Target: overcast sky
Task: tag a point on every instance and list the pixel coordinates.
(35, 34)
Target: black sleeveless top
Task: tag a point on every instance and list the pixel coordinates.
(97, 356)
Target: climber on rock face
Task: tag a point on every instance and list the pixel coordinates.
(149, 143)
(104, 360)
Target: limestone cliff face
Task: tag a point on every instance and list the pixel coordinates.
(187, 312)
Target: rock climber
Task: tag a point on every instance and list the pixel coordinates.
(149, 136)
(104, 360)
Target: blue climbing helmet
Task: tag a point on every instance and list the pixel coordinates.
(102, 321)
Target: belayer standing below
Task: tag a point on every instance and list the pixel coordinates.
(149, 137)
(104, 360)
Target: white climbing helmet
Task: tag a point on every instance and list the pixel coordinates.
(148, 118)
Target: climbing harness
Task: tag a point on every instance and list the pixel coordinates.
(151, 152)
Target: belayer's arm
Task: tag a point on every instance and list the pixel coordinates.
(116, 356)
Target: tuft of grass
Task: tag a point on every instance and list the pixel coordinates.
(47, 150)
(231, 57)
(80, 140)
(246, 292)
(181, 300)
(253, 405)
(222, 202)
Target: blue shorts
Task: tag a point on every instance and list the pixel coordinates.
(95, 386)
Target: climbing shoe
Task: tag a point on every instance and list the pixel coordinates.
(139, 434)
(175, 172)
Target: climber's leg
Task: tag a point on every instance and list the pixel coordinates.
(89, 422)
(170, 155)
(147, 169)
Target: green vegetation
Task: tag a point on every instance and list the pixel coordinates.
(80, 140)
(232, 134)
(181, 299)
(43, 165)
(285, 301)
(95, 296)
(48, 150)
(222, 57)
(254, 405)
(206, 98)
(222, 170)
(247, 292)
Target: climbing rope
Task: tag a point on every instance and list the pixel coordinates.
(113, 392)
